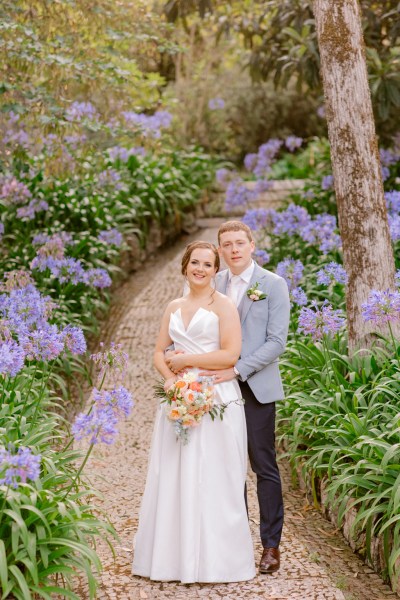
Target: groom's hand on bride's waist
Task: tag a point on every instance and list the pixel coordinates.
(220, 375)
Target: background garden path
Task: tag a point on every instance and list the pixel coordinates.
(317, 564)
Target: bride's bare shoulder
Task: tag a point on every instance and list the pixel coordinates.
(223, 303)
(174, 305)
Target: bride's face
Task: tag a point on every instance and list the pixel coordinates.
(201, 267)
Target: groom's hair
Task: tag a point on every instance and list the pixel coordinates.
(234, 226)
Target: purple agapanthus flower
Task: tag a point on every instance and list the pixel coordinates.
(111, 236)
(29, 211)
(394, 227)
(25, 309)
(291, 270)
(18, 468)
(298, 296)
(327, 182)
(44, 344)
(257, 218)
(112, 361)
(238, 195)
(318, 322)
(216, 104)
(388, 157)
(262, 185)
(293, 142)
(224, 176)
(123, 154)
(119, 400)
(262, 257)
(382, 307)
(290, 221)
(68, 270)
(14, 191)
(74, 339)
(78, 111)
(1, 230)
(332, 273)
(100, 425)
(393, 202)
(12, 358)
(98, 278)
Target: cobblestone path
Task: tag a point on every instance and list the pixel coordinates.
(316, 562)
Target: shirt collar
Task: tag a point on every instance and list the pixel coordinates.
(246, 274)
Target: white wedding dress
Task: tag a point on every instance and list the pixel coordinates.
(193, 525)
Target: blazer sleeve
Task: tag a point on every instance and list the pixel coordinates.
(276, 332)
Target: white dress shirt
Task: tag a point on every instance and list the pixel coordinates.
(238, 284)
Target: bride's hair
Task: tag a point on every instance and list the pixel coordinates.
(193, 246)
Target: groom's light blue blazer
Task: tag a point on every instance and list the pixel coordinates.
(265, 326)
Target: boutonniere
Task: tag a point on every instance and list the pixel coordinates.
(255, 294)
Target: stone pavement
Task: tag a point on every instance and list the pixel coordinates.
(316, 562)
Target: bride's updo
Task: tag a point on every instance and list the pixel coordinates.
(193, 246)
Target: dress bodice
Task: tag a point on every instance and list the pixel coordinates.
(201, 335)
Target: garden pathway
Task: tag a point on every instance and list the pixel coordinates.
(316, 562)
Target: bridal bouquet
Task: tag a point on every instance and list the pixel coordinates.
(188, 400)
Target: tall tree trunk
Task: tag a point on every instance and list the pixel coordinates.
(367, 250)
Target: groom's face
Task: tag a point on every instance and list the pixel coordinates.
(236, 249)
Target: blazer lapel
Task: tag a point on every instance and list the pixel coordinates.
(245, 303)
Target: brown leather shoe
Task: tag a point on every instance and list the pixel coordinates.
(270, 560)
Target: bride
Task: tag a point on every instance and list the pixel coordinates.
(193, 525)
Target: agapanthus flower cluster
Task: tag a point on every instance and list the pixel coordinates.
(238, 195)
(298, 296)
(97, 277)
(262, 257)
(15, 134)
(224, 176)
(1, 230)
(322, 230)
(74, 339)
(60, 238)
(290, 221)
(257, 218)
(25, 309)
(291, 270)
(51, 255)
(18, 468)
(100, 424)
(111, 236)
(332, 273)
(112, 361)
(14, 191)
(394, 227)
(16, 279)
(216, 104)
(29, 211)
(393, 202)
(12, 357)
(123, 154)
(319, 322)
(327, 182)
(149, 125)
(293, 142)
(382, 307)
(76, 140)
(78, 111)
(119, 401)
(261, 162)
(111, 177)
(388, 157)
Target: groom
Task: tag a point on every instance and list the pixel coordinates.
(265, 324)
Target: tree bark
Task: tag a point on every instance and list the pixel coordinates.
(367, 250)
